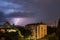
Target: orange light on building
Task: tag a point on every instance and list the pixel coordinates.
(2, 30)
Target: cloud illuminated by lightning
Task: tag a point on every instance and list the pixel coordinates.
(22, 21)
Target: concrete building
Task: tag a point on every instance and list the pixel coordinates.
(39, 30)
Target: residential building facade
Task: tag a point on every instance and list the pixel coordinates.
(39, 30)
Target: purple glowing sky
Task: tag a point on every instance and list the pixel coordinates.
(22, 21)
(21, 12)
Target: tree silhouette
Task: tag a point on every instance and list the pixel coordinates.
(58, 29)
(51, 37)
(25, 32)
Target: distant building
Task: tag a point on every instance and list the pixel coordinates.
(39, 30)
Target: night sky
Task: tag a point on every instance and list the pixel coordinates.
(22, 12)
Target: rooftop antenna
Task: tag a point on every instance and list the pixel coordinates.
(41, 21)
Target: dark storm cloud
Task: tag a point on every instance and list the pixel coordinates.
(41, 7)
(2, 16)
(45, 10)
(27, 5)
(19, 14)
(24, 14)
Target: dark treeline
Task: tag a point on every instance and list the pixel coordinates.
(51, 30)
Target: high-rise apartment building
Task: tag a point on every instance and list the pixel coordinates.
(39, 30)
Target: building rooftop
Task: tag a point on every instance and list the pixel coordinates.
(36, 24)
